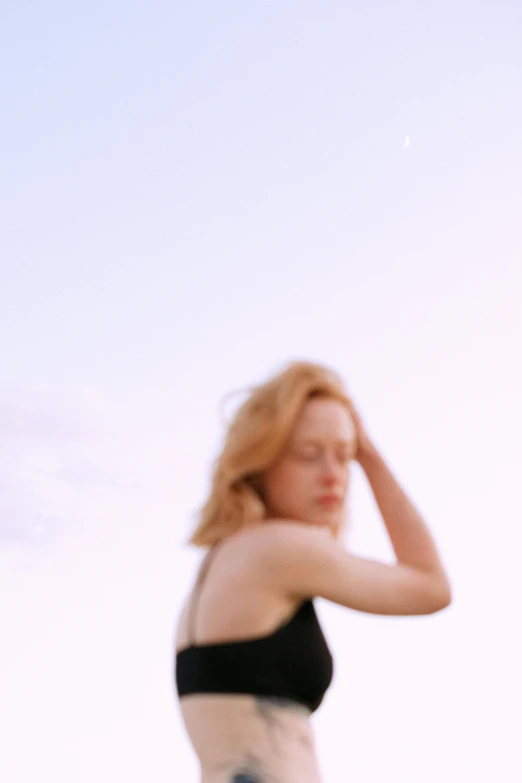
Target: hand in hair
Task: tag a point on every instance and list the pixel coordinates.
(365, 445)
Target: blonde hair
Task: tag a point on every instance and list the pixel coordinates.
(257, 433)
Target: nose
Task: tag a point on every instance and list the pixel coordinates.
(330, 469)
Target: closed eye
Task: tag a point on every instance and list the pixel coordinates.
(310, 456)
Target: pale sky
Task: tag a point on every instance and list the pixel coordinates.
(192, 196)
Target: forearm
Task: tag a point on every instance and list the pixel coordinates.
(411, 540)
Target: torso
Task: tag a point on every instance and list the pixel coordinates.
(243, 738)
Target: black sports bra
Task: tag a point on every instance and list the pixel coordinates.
(294, 662)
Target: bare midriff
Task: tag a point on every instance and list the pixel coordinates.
(250, 739)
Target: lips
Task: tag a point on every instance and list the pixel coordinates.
(330, 500)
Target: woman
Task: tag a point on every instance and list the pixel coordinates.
(252, 664)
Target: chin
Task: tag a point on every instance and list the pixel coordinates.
(328, 522)
(332, 523)
(327, 528)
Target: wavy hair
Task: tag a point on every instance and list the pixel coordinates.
(256, 435)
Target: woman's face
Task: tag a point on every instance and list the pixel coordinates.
(313, 465)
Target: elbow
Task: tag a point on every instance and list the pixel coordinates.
(441, 598)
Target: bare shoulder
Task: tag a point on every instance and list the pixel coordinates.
(272, 547)
(289, 539)
(261, 550)
(282, 538)
(279, 531)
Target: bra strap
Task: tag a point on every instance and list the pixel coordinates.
(197, 588)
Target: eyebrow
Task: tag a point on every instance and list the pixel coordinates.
(315, 442)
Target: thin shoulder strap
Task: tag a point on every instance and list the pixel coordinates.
(197, 588)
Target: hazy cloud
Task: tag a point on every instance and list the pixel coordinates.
(59, 449)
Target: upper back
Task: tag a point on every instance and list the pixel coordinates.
(233, 596)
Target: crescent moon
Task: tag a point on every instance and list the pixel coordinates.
(406, 142)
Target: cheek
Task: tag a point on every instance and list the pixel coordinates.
(293, 481)
(280, 481)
